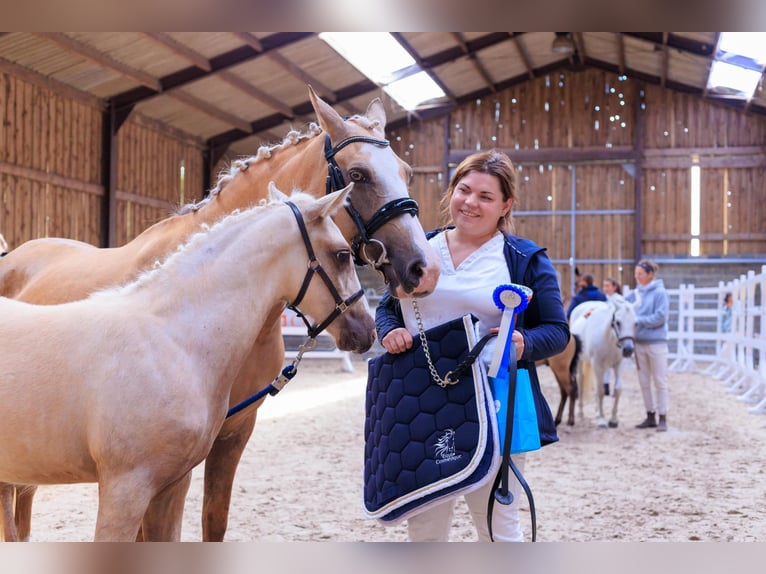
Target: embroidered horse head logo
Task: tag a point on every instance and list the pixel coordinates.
(445, 445)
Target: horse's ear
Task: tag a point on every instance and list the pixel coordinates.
(275, 194)
(376, 112)
(332, 202)
(329, 120)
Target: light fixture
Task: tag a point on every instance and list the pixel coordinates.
(563, 44)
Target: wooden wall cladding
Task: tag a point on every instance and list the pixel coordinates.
(150, 184)
(49, 164)
(603, 161)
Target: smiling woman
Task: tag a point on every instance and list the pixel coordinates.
(478, 253)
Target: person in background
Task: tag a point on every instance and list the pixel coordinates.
(611, 288)
(479, 253)
(651, 347)
(728, 303)
(588, 293)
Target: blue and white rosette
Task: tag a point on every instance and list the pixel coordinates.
(511, 299)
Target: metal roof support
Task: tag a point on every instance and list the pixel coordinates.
(109, 150)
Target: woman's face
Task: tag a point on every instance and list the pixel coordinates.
(643, 277)
(477, 204)
(609, 288)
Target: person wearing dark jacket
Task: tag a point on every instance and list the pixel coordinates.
(479, 253)
(589, 292)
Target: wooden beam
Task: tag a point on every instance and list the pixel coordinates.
(211, 110)
(558, 155)
(37, 79)
(579, 41)
(321, 88)
(665, 60)
(524, 57)
(250, 40)
(423, 65)
(49, 178)
(180, 50)
(475, 61)
(251, 90)
(621, 66)
(101, 59)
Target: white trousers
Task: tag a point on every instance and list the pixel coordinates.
(433, 524)
(652, 363)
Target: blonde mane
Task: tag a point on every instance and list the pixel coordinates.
(194, 241)
(292, 138)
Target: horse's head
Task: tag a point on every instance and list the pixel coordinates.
(329, 295)
(380, 220)
(624, 325)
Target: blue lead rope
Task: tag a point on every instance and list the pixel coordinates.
(271, 389)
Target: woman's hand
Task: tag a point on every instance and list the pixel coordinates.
(397, 341)
(518, 340)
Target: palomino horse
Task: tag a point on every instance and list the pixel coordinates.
(607, 331)
(379, 221)
(129, 387)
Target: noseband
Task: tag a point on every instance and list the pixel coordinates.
(341, 305)
(363, 239)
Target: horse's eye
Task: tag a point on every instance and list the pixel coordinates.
(357, 176)
(619, 324)
(344, 257)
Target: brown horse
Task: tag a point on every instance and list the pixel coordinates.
(130, 386)
(564, 368)
(50, 271)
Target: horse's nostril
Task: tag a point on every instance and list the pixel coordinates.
(416, 269)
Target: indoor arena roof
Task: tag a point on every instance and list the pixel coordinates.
(238, 90)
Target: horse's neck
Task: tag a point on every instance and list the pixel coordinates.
(205, 296)
(297, 166)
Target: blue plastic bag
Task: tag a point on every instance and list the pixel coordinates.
(526, 433)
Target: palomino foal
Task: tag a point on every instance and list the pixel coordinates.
(129, 387)
(49, 271)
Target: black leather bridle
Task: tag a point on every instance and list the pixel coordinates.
(341, 305)
(394, 208)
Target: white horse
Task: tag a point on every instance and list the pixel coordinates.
(607, 331)
(130, 387)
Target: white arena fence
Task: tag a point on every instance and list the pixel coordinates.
(738, 358)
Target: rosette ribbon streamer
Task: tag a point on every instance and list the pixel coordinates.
(512, 299)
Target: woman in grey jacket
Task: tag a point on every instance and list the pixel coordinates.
(651, 342)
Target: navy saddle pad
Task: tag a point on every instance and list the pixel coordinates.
(424, 442)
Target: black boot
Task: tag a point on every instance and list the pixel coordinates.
(663, 424)
(649, 422)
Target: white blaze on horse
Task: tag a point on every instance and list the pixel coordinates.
(380, 222)
(607, 331)
(130, 387)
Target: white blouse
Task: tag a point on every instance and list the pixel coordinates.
(467, 289)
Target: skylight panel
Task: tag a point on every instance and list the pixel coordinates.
(380, 57)
(738, 64)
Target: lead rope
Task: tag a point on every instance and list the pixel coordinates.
(452, 377)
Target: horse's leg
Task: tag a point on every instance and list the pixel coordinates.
(572, 399)
(562, 402)
(122, 503)
(264, 363)
(164, 515)
(7, 524)
(220, 466)
(25, 495)
(613, 422)
(598, 373)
